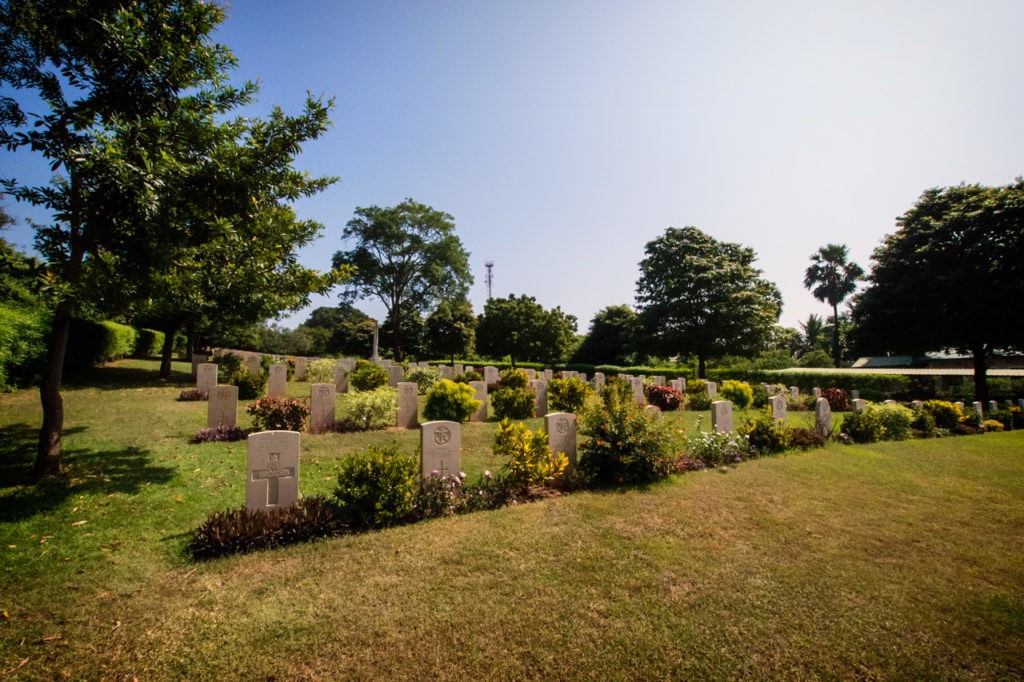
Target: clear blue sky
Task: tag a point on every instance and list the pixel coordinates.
(563, 136)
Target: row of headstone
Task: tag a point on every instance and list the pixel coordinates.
(721, 415)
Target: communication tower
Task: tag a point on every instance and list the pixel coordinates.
(490, 277)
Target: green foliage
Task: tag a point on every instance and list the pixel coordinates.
(377, 487)
(717, 449)
(148, 343)
(625, 444)
(220, 434)
(837, 399)
(278, 414)
(366, 376)
(568, 395)
(946, 414)
(374, 409)
(831, 278)
(321, 371)
(424, 378)
(738, 393)
(760, 396)
(923, 424)
(240, 530)
(22, 343)
(92, 343)
(408, 256)
(705, 296)
(766, 434)
(522, 329)
(698, 400)
(514, 378)
(451, 330)
(530, 461)
(512, 403)
(450, 401)
(232, 370)
(611, 338)
(815, 358)
(895, 420)
(863, 427)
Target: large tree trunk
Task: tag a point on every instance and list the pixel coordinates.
(48, 454)
(980, 373)
(168, 350)
(702, 372)
(835, 334)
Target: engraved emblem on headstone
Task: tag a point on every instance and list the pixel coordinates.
(442, 435)
(562, 425)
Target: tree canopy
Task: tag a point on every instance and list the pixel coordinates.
(407, 256)
(611, 338)
(698, 296)
(831, 278)
(951, 276)
(451, 330)
(522, 329)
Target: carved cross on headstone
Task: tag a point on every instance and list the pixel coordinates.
(272, 474)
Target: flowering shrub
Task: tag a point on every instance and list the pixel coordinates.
(665, 398)
(440, 496)
(837, 399)
(738, 393)
(220, 434)
(424, 378)
(367, 376)
(377, 487)
(991, 425)
(374, 409)
(946, 414)
(568, 395)
(530, 460)
(321, 371)
(766, 434)
(451, 401)
(249, 385)
(278, 414)
(716, 449)
(624, 444)
(191, 394)
(895, 420)
(697, 397)
(805, 438)
(1004, 417)
(467, 377)
(863, 426)
(923, 424)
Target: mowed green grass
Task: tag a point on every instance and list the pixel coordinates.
(891, 561)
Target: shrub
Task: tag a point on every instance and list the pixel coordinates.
(321, 371)
(377, 487)
(530, 460)
(91, 343)
(367, 376)
(766, 434)
(515, 378)
(424, 378)
(1004, 417)
(837, 399)
(698, 401)
(946, 414)
(22, 343)
(512, 403)
(374, 409)
(241, 530)
(148, 342)
(622, 389)
(450, 401)
(568, 395)
(816, 358)
(922, 425)
(278, 414)
(228, 365)
(738, 393)
(191, 395)
(863, 427)
(761, 396)
(716, 449)
(249, 385)
(991, 425)
(624, 444)
(467, 377)
(696, 386)
(665, 398)
(1017, 416)
(805, 438)
(487, 491)
(440, 496)
(220, 434)
(971, 419)
(895, 420)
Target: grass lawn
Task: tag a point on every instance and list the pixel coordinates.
(897, 560)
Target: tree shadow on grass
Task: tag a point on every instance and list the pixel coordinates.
(114, 377)
(22, 496)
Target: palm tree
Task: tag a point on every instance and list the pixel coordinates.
(831, 279)
(813, 330)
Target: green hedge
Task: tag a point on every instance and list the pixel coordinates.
(91, 343)
(148, 343)
(870, 386)
(22, 344)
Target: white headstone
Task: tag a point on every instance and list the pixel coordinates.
(222, 408)
(446, 371)
(794, 391)
(348, 364)
(272, 470)
(822, 418)
(855, 394)
(531, 374)
(408, 404)
(561, 430)
(396, 373)
(300, 369)
(439, 448)
(540, 397)
(721, 416)
(978, 408)
(712, 389)
(659, 380)
(491, 374)
(254, 363)
(277, 382)
(481, 394)
(959, 405)
(458, 369)
(916, 404)
(816, 391)
(549, 375)
(993, 406)
(859, 404)
(340, 377)
(653, 411)
(637, 384)
(321, 407)
(779, 407)
(599, 380)
(206, 377)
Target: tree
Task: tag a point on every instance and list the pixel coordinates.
(451, 330)
(522, 329)
(831, 278)
(125, 91)
(408, 256)
(611, 338)
(951, 276)
(698, 296)
(813, 332)
(348, 331)
(412, 329)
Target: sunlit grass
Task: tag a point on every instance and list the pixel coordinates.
(897, 560)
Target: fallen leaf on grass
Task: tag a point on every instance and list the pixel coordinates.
(80, 523)
(17, 667)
